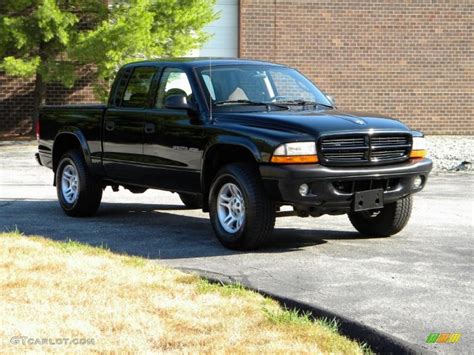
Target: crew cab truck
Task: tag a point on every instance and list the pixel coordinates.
(238, 139)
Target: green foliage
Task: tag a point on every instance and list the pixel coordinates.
(227, 290)
(288, 316)
(139, 29)
(72, 246)
(21, 67)
(33, 33)
(330, 324)
(54, 24)
(53, 37)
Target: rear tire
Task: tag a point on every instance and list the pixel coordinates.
(192, 201)
(79, 192)
(250, 214)
(384, 222)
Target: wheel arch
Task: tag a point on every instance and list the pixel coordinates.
(221, 152)
(67, 140)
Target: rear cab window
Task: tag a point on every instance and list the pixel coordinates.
(121, 84)
(135, 92)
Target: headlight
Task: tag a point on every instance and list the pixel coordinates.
(295, 153)
(418, 149)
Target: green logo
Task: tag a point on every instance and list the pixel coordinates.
(441, 338)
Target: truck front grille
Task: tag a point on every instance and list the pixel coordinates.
(343, 142)
(364, 149)
(352, 156)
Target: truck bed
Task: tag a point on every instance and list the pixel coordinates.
(55, 119)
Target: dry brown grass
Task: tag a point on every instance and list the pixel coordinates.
(129, 304)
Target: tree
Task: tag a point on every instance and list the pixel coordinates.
(50, 39)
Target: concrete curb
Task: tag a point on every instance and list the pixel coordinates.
(379, 341)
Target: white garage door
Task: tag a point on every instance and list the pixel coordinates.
(224, 42)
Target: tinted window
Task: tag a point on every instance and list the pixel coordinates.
(173, 82)
(121, 86)
(136, 94)
(290, 87)
(257, 83)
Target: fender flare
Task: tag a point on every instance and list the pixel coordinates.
(227, 140)
(77, 134)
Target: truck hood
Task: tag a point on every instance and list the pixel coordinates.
(314, 122)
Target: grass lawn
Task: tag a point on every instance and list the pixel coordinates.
(70, 290)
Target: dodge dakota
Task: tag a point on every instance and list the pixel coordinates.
(239, 139)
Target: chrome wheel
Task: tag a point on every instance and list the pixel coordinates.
(70, 183)
(231, 208)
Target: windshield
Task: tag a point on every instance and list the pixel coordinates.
(242, 85)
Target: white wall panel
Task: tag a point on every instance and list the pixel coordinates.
(225, 31)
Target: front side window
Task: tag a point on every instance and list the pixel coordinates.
(173, 81)
(136, 93)
(244, 84)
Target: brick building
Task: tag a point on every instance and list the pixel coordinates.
(409, 59)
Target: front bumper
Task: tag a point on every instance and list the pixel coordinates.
(331, 189)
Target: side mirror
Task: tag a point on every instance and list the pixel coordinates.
(178, 102)
(331, 99)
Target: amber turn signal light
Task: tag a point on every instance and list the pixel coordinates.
(294, 159)
(418, 153)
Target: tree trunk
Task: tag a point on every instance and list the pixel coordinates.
(39, 98)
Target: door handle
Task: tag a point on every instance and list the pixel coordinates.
(109, 125)
(149, 128)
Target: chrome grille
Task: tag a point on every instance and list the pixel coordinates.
(343, 142)
(387, 154)
(377, 141)
(346, 156)
(362, 149)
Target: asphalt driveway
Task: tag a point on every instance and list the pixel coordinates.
(409, 285)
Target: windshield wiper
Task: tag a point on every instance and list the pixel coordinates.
(304, 103)
(250, 102)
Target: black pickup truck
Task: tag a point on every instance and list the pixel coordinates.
(238, 139)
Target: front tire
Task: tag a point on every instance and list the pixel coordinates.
(384, 222)
(79, 193)
(242, 216)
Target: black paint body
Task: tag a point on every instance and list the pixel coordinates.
(170, 149)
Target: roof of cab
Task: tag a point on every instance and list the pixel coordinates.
(195, 62)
